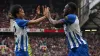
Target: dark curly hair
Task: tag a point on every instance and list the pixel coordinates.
(14, 10)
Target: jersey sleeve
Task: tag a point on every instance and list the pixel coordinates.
(69, 19)
(22, 23)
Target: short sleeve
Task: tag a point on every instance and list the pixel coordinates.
(69, 19)
(22, 23)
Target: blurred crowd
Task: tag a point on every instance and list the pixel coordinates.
(4, 21)
(51, 45)
(9, 49)
(93, 38)
(55, 46)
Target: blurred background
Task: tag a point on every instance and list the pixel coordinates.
(44, 38)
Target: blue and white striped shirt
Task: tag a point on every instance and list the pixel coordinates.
(21, 37)
(72, 31)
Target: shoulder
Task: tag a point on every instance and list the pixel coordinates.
(71, 16)
(21, 20)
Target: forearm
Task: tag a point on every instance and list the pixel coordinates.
(37, 20)
(52, 21)
(40, 19)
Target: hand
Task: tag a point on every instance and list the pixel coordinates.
(38, 10)
(44, 10)
(48, 15)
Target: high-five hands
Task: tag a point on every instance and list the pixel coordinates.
(46, 11)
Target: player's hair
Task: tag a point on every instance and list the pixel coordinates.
(15, 9)
(73, 6)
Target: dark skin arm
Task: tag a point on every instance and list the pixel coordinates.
(54, 22)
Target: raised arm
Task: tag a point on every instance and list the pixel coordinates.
(52, 21)
(37, 20)
(68, 19)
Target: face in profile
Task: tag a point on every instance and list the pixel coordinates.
(21, 13)
(66, 10)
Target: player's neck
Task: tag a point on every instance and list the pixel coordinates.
(20, 17)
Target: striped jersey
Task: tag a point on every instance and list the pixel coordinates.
(20, 33)
(72, 31)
